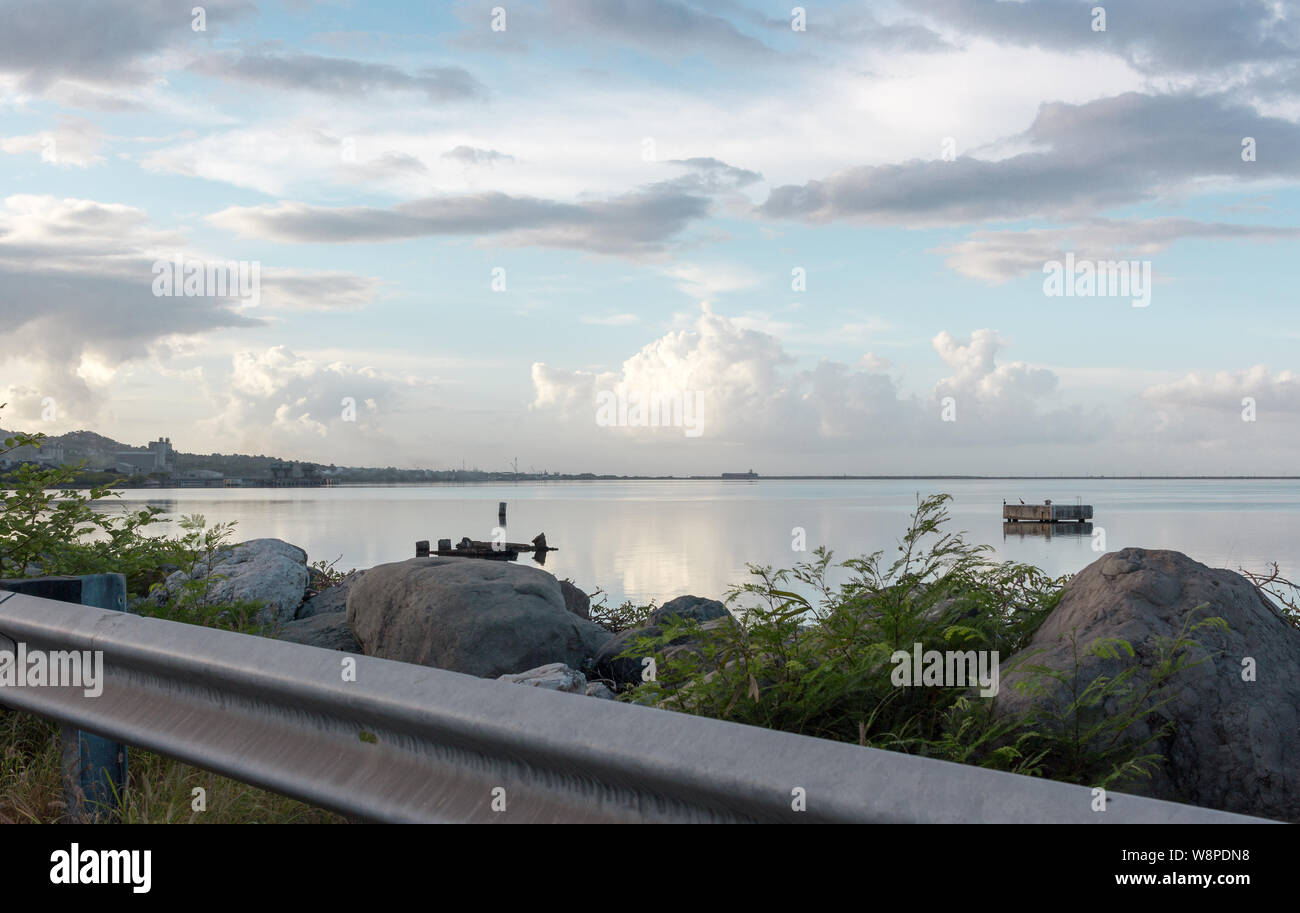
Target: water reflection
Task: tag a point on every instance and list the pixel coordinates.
(656, 540)
(1046, 530)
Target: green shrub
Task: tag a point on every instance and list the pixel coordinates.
(822, 665)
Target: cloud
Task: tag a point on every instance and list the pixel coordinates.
(77, 298)
(74, 141)
(90, 50)
(1192, 35)
(270, 158)
(1007, 403)
(709, 175)
(1206, 416)
(338, 76)
(468, 155)
(1111, 152)
(752, 393)
(629, 224)
(637, 223)
(317, 290)
(663, 27)
(1224, 390)
(997, 256)
(707, 282)
(278, 401)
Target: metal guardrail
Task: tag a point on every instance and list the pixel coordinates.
(94, 768)
(405, 743)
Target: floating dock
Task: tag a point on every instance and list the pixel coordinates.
(1047, 512)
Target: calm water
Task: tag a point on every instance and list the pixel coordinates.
(657, 540)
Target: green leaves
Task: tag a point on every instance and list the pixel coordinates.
(49, 528)
(810, 656)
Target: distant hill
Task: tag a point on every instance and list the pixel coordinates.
(97, 451)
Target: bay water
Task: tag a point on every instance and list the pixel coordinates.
(654, 540)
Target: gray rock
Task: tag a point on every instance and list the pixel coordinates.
(600, 690)
(1236, 745)
(689, 607)
(330, 631)
(575, 600)
(628, 670)
(552, 677)
(623, 670)
(266, 570)
(333, 599)
(484, 618)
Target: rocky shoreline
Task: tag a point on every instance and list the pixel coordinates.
(1235, 740)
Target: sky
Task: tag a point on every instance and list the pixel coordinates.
(671, 237)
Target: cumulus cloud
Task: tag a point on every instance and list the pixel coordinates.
(751, 392)
(1233, 421)
(1004, 403)
(77, 296)
(278, 401)
(1224, 390)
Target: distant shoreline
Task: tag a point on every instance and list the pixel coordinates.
(839, 478)
(433, 483)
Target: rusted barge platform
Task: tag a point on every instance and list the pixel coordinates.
(1047, 512)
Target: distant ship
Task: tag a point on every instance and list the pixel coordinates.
(740, 475)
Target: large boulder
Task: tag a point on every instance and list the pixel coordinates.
(270, 571)
(330, 631)
(1236, 742)
(696, 608)
(484, 618)
(330, 599)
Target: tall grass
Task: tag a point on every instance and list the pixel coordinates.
(159, 790)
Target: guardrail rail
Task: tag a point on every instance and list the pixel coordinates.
(389, 741)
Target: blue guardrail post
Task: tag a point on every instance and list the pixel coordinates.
(94, 768)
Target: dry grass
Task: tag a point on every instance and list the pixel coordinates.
(159, 791)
